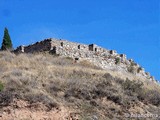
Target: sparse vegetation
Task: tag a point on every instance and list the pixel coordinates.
(117, 61)
(82, 86)
(150, 96)
(6, 97)
(132, 69)
(133, 86)
(1, 86)
(85, 63)
(153, 96)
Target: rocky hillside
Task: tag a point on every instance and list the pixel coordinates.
(41, 86)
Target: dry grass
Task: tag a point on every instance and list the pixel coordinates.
(56, 81)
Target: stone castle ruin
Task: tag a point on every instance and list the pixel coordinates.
(106, 59)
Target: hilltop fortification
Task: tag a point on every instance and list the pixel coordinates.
(106, 59)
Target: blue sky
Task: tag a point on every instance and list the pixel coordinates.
(128, 26)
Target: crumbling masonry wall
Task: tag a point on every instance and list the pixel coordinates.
(37, 47)
(107, 59)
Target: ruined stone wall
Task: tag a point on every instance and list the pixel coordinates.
(37, 47)
(19, 49)
(66, 48)
(107, 59)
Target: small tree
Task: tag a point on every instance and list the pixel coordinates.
(7, 43)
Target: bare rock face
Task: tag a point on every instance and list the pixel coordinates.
(106, 59)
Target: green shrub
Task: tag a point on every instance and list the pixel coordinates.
(117, 61)
(1, 86)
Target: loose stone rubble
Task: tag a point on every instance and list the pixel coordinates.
(106, 59)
